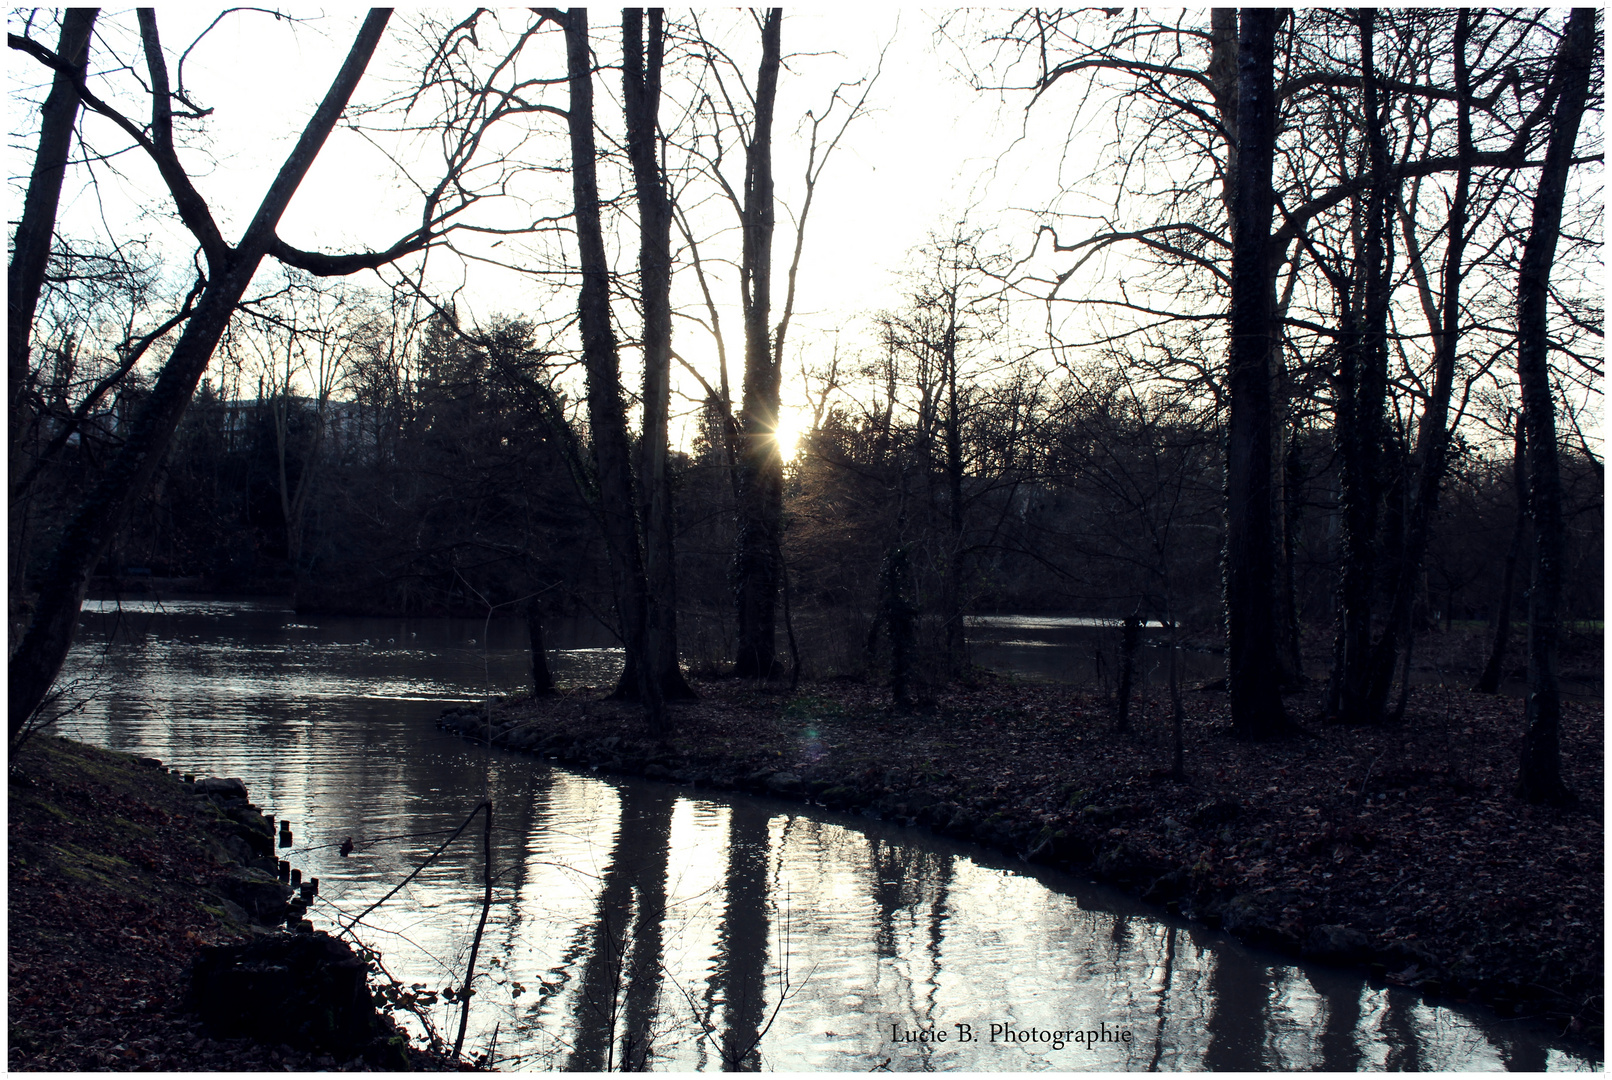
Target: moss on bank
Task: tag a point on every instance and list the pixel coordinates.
(111, 896)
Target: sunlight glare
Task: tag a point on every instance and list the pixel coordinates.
(792, 425)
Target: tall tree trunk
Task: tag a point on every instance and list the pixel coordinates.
(30, 255)
(607, 420)
(89, 532)
(1256, 705)
(1432, 437)
(761, 466)
(952, 598)
(1363, 380)
(1539, 779)
(641, 82)
(30, 252)
(1489, 681)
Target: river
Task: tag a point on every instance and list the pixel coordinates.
(681, 927)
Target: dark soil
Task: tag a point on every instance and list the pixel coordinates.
(1398, 850)
(110, 900)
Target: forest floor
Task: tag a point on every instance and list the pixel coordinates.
(1399, 850)
(110, 873)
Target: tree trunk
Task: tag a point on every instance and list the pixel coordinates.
(1130, 638)
(1539, 779)
(1256, 705)
(89, 532)
(1362, 387)
(1432, 437)
(952, 591)
(30, 253)
(542, 680)
(607, 421)
(641, 82)
(761, 466)
(1489, 681)
(1290, 638)
(897, 611)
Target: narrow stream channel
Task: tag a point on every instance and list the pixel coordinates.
(689, 928)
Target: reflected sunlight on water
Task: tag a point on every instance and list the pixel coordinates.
(696, 930)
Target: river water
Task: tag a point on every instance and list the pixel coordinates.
(642, 920)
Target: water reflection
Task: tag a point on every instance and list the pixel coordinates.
(643, 924)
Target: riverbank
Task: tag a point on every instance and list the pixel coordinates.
(120, 876)
(1397, 851)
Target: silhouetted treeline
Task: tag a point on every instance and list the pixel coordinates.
(454, 482)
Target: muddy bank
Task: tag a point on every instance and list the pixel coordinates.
(1399, 851)
(120, 877)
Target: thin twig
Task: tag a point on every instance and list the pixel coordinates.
(429, 859)
(486, 905)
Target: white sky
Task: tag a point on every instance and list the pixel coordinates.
(924, 157)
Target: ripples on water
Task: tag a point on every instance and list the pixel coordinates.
(632, 915)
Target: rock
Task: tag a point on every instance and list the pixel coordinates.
(306, 990)
(239, 849)
(148, 762)
(262, 895)
(229, 787)
(1335, 943)
(251, 818)
(784, 782)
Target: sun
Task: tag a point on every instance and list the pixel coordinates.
(792, 425)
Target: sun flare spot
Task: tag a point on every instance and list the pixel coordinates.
(792, 425)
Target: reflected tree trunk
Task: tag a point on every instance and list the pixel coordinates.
(622, 978)
(740, 978)
(1340, 1051)
(1404, 1048)
(1241, 990)
(1164, 998)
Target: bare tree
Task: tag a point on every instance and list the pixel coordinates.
(1539, 778)
(606, 418)
(40, 655)
(641, 77)
(760, 465)
(1256, 705)
(30, 252)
